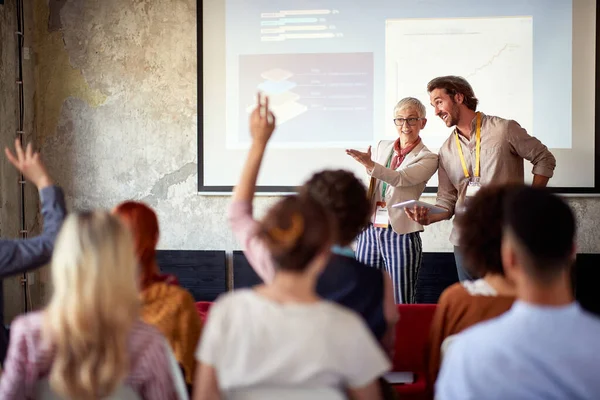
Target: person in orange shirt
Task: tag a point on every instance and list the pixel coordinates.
(165, 305)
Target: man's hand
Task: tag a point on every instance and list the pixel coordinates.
(418, 214)
(29, 164)
(363, 158)
(262, 121)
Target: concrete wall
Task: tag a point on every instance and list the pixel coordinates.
(117, 100)
(116, 117)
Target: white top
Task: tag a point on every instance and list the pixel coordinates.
(255, 343)
(479, 287)
(530, 352)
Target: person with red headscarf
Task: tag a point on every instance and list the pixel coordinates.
(165, 304)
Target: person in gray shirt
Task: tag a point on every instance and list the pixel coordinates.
(21, 255)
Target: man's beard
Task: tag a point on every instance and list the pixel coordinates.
(453, 117)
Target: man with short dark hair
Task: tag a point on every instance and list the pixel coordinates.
(482, 149)
(546, 346)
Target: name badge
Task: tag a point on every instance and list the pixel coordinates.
(473, 188)
(381, 218)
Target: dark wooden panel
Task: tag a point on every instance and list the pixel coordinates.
(586, 280)
(438, 271)
(243, 274)
(202, 272)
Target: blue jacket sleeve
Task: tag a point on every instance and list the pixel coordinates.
(20, 255)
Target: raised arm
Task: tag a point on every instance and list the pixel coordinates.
(20, 255)
(243, 225)
(262, 125)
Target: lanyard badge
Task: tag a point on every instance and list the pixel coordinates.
(474, 181)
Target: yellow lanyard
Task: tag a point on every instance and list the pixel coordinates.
(477, 149)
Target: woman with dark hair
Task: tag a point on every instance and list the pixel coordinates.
(164, 304)
(469, 302)
(281, 340)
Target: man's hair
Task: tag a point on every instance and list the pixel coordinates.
(544, 227)
(453, 85)
(345, 197)
(411, 102)
(481, 228)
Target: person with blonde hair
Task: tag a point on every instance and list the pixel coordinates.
(399, 170)
(88, 343)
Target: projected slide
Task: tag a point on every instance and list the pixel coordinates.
(319, 100)
(335, 69)
(498, 62)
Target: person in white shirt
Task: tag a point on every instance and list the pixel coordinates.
(546, 346)
(280, 340)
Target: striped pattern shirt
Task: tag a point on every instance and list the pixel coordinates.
(30, 359)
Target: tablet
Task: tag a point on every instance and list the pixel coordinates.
(433, 209)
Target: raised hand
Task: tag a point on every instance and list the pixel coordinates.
(262, 121)
(29, 163)
(363, 158)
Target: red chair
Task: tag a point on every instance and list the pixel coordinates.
(412, 333)
(203, 307)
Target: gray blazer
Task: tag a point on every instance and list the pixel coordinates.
(407, 182)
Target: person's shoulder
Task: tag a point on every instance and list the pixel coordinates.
(424, 152)
(29, 324)
(446, 147)
(454, 293)
(498, 123)
(232, 298)
(179, 294)
(591, 321)
(385, 142)
(382, 145)
(340, 317)
(480, 335)
(142, 331)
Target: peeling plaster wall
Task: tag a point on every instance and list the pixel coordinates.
(116, 116)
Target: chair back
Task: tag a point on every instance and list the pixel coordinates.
(412, 334)
(203, 307)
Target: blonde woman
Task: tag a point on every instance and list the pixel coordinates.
(88, 343)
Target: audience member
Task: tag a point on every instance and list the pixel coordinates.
(88, 343)
(469, 302)
(546, 345)
(281, 340)
(20, 255)
(346, 281)
(165, 304)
